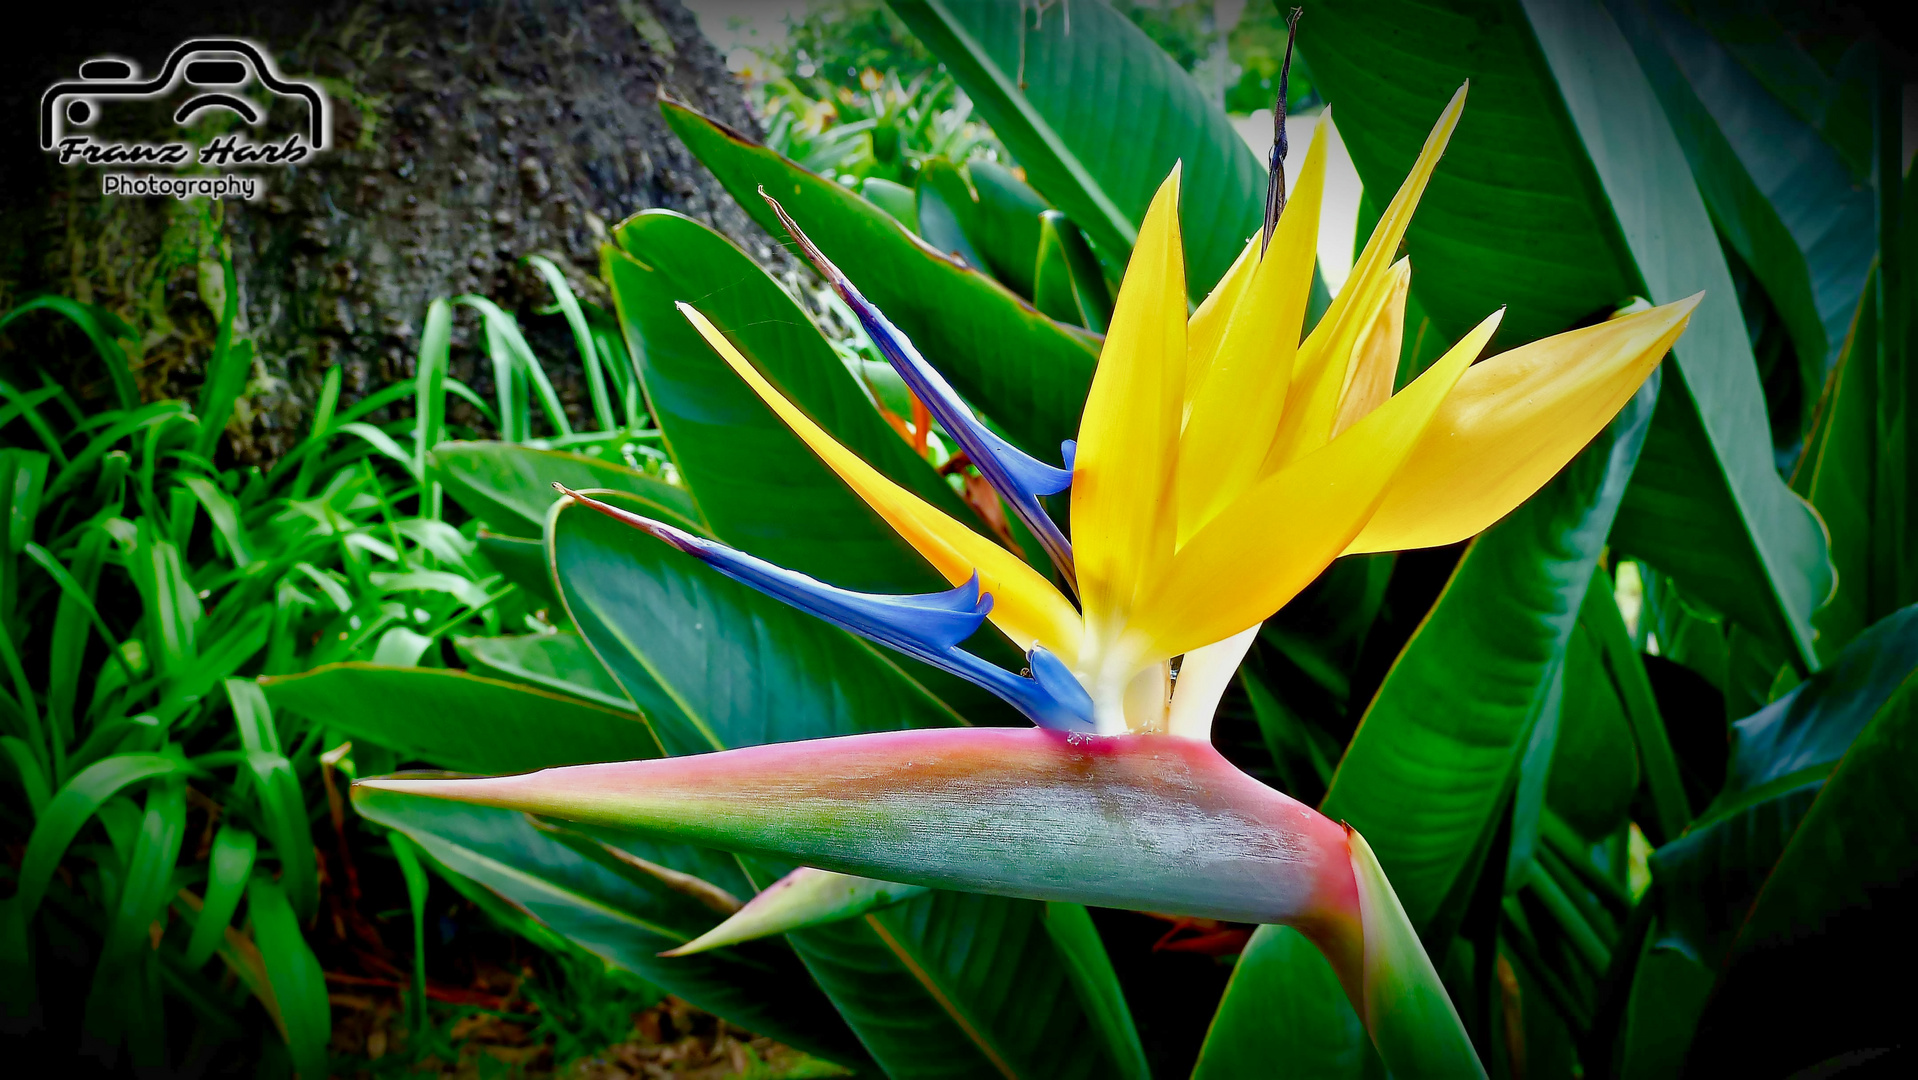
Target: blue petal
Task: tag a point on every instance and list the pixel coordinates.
(1018, 477)
(926, 626)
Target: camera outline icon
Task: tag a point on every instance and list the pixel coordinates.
(218, 67)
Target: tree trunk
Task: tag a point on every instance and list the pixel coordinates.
(464, 137)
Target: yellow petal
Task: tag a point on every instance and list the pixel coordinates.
(1513, 422)
(1206, 329)
(1243, 394)
(1274, 539)
(1319, 373)
(1375, 360)
(1128, 437)
(1025, 606)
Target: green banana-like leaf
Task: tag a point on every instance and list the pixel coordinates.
(1066, 281)
(627, 920)
(1098, 114)
(1834, 914)
(755, 671)
(1027, 372)
(458, 720)
(1008, 231)
(1782, 196)
(1284, 1005)
(1564, 191)
(1594, 770)
(1843, 462)
(560, 662)
(948, 212)
(510, 487)
(1436, 756)
(1781, 758)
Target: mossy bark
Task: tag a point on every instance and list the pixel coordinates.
(464, 137)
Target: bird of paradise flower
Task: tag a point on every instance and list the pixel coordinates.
(1222, 463)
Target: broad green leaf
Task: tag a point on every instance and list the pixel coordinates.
(948, 211)
(1668, 992)
(1090, 969)
(1099, 114)
(710, 662)
(956, 985)
(1285, 1009)
(459, 720)
(1781, 756)
(1066, 281)
(511, 487)
(1625, 672)
(1563, 192)
(1436, 755)
(1008, 229)
(761, 987)
(754, 482)
(299, 985)
(1781, 196)
(1840, 467)
(1594, 772)
(522, 561)
(1834, 914)
(1027, 372)
(561, 663)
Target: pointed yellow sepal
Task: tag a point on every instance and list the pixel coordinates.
(1513, 422)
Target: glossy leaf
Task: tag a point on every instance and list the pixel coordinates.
(1781, 196)
(1284, 1007)
(1008, 229)
(1098, 114)
(623, 919)
(1090, 969)
(1562, 193)
(458, 720)
(755, 484)
(948, 213)
(560, 662)
(1833, 914)
(1025, 371)
(1429, 769)
(1781, 756)
(510, 487)
(1066, 281)
(1844, 455)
